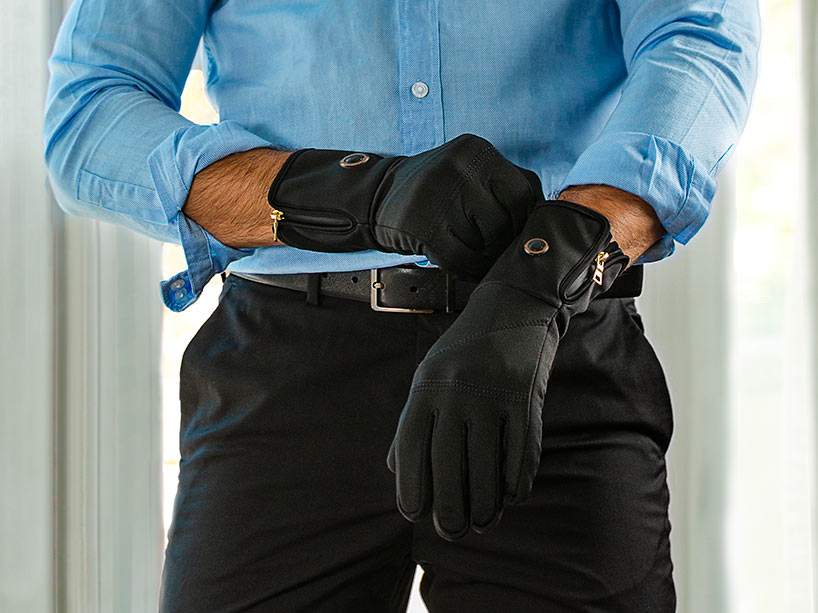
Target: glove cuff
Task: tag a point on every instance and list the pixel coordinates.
(565, 256)
(321, 199)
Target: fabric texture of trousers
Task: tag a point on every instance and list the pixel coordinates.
(285, 502)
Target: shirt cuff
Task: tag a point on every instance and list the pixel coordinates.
(205, 257)
(173, 164)
(657, 170)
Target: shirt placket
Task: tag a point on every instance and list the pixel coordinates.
(419, 76)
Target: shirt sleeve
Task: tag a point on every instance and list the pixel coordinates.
(692, 67)
(116, 147)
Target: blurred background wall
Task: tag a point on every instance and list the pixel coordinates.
(89, 361)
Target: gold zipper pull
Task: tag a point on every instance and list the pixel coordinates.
(600, 266)
(276, 216)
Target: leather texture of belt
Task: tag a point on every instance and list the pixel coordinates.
(409, 289)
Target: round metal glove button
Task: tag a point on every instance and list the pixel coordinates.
(536, 246)
(354, 159)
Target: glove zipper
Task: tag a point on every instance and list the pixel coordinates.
(276, 216)
(603, 259)
(600, 266)
(313, 221)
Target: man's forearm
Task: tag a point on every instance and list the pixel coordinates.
(634, 224)
(229, 200)
(229, 197)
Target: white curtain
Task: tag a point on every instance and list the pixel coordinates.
(685, 306)
(732, 316)
(809, 223)
(80, 509)
(26, 317)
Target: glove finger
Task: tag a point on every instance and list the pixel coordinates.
(517, 189)
(467, 233)
(413, 469)
(450, 511)
(485, 473)
(534, 183)
(523, 444)
(494, 223)
(461, 258)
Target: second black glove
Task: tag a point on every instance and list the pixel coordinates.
(469, 437)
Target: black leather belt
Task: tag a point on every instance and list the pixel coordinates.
(409, 289)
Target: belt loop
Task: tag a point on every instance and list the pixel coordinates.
(313, 288)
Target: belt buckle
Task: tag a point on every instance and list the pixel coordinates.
(374, 296)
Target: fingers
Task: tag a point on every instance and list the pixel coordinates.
(534, 183)
(462, 464)
(452, 467)
(461, 255)
(450, 510)
(523, 445)
(486, 214)
(412, 463)
(494, 210)
(470, 238)
(496, 229)
(485, 449)
(516, 190)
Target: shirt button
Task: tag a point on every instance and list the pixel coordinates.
(180, 294)
(179, 283)
(420, 89)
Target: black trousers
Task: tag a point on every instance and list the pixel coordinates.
(285, 502)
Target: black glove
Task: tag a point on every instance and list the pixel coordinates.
(469, 437)
(460, 204)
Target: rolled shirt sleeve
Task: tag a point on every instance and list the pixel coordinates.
(116, 147)
(692, 66)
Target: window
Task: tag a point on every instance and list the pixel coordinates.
(179, 328)
(770, 478)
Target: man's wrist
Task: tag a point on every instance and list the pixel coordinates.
(229, 197)
(634, 224)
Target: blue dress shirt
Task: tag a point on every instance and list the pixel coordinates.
(645, 95)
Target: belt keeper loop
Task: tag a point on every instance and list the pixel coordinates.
(313, 288)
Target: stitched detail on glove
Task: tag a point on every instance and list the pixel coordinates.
(424, 237)
(533, 323)
(494, 393)
(543, 299)
(429, 425)
(407, 178)
(530, 404)
(477, 162)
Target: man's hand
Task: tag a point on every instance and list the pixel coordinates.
(469, 438)
(229, 197)
(634, 224)
(459, 204)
